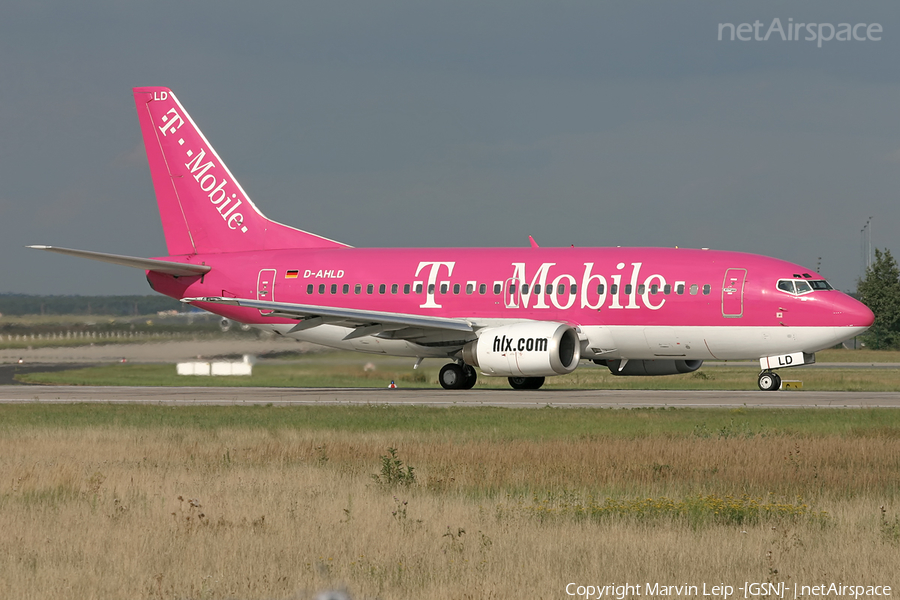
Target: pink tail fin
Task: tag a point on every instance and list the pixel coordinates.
(202, 206)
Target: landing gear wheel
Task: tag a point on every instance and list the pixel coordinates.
(526, 383)
(452, 377)
(769, 381)
(471, 376)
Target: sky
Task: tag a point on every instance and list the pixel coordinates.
(464, 123)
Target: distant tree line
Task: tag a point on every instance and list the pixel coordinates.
(23, 304)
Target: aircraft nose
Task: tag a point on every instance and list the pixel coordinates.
(849, 312)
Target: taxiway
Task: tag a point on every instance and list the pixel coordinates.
(197, 396)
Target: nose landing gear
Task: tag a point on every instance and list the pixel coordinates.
(769, 381)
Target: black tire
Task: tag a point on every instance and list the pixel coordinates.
(526, 383)
(452, 377)
(769, 381)
(535, 383)
(471, 377)
(777, 381)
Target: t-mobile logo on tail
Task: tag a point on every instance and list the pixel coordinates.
(202, 167)
(172, 122)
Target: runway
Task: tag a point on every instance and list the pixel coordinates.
(201, 396)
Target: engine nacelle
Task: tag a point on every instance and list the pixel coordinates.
(651, 367)
(536, 349)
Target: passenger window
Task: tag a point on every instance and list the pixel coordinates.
(802, 287)
(549, 288)
(679, 289)
(334, 288)
(512, 289)
(444, 288)
(627, 288)
(667, 289)
(394, 288)
(497, 287)
(537, 288)
(706, 289)
(470, 288)
(357, 289)
(573, 289)
(641, 289)
(345, 289)
(482, 289)
(694, 289)
(370, 288)
(405, 288)
(614, 289)
(419, 288)
(381, 288)
(309, 289)
(431, 288)
(654, 289)
(600, 288)
(455, 288)
(321, 288)
(524, 288)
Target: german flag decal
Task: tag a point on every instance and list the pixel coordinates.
(291, 274)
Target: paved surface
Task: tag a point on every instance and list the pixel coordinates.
(43, 359)
(154, 352)
(436, 397)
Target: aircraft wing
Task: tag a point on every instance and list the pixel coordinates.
(148, 264)
(362, 322)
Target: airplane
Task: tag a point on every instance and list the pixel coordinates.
(521, 313)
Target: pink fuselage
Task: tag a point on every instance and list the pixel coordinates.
(627, 302)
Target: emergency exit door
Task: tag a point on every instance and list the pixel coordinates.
(265, 287)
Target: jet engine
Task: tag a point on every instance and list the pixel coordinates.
(534, 349)
(651, 367)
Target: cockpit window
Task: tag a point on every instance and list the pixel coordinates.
(786, 285)
(798, 287)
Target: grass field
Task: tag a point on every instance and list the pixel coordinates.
(338, 369)
(413, 502)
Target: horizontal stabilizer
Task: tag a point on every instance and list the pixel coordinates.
(345, 315)
(147, 264)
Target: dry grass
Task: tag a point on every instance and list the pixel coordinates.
(122, 512)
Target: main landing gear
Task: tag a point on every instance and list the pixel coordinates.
(457, 377)
(769, 381)
(526, 383)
